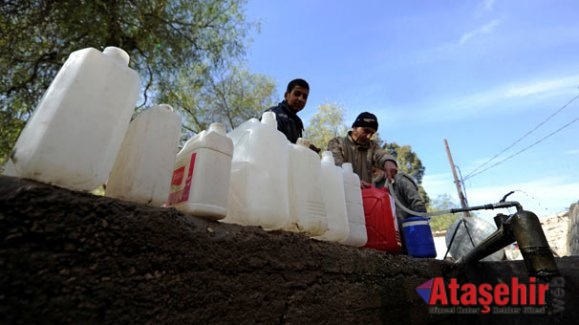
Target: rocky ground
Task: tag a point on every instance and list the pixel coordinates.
(69, 258)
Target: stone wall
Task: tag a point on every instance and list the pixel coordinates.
(556, 230)
(70, 258)
(573, 231)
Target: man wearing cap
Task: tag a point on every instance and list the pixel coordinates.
(358, 148)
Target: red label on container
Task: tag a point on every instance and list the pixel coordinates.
(187, 188)
(180, 191)
(178, 176)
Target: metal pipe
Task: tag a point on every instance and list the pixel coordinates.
(525, 228)
(533, 244)
(497, 240)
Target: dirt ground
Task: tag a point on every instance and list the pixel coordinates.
(69, 258)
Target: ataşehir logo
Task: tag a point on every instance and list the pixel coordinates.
(530, 296)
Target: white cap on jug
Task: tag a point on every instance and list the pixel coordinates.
(328, 157)
(347, 167)
(166, 106)
(217, 128)
(118, 54)
(303, 142)
(268, 118)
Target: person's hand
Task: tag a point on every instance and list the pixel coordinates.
(390, 170)
(314, 148)
(364, 184)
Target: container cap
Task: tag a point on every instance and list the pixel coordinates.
(166, 106)
(347, 167)
(268, 118)
(117, 54)
(303, 142)
(217, 128)
(328, 157)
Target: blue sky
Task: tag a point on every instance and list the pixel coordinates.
(481, 74)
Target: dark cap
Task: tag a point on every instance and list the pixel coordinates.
(366, 120)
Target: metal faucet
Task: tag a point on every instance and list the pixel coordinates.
(524, 228)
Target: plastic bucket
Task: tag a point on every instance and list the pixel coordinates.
(418, 237)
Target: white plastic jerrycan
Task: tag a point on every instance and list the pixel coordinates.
(143, 168)
(334, 200)
(200, 183)
(307, 209)
(75, 133)
(358, 235)
(258, 193)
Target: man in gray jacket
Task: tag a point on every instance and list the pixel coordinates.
(358, 148)
(406, 191)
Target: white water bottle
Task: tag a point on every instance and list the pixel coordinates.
(143, 168)
(334, 200)
(307, 209)
(74, 135)
(258, 193)
(201, 174)
(356, 220)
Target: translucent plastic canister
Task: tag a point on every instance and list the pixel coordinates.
(201, 176)
(74, 135)
(143, 168)
(334, 200)
(357, 235)
(307, 209)
(258, 194)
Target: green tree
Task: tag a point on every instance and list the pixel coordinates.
(161, 36)
(442, 222)
(408, 161)
(230, 95)
(325, 124)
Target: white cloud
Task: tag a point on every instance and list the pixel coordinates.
(572, 152)
(544, 88)
(485, 29)
(493, 101)
(540, 87)
(488, 5)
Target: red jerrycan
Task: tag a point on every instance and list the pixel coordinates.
(381, 224)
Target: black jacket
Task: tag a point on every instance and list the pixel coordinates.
(288, 122)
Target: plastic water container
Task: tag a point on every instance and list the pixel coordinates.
(8, 169)
(468, 233)
(75, 133)
(143, 168)
(357, 235)
(200, 183)
(307, 210)
(334, 200)
(381, 223)
(418, 237)
(258, 193)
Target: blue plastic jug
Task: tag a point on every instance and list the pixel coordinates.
(418, 237)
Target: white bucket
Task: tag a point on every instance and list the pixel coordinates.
(356, 220)
(258, 193)
(143, 168)
(200, 183)
(75, 133)
(307, 209)
(334, 200)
